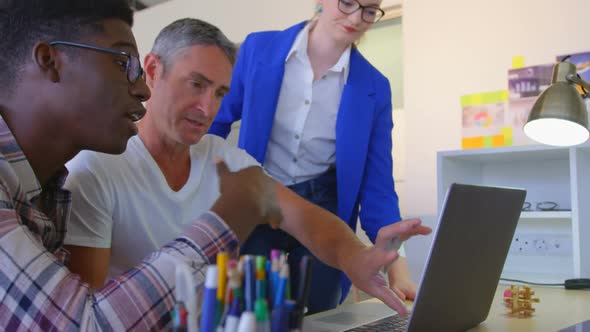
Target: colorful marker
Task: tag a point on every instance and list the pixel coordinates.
(249, 283)
(281, 285)
(247, 322)
(209, 305)
(222, 258)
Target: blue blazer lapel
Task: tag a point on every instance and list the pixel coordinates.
(353, 129)
(267, 80)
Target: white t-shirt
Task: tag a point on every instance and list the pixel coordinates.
(124, 202)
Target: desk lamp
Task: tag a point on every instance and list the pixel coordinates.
(559, 115)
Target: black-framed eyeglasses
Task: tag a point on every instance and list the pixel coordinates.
(369, 14)
(132, 65)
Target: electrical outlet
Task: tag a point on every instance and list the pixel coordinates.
(559, 245)
(541, 244)
(521, 244)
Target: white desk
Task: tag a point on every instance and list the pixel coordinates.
(558, 308)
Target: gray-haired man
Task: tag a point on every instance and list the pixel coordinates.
(167, 175)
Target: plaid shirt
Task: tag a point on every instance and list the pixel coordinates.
(39, 293)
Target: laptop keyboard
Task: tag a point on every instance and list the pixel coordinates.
(391, 323)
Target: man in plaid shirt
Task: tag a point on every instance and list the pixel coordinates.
(71, 80)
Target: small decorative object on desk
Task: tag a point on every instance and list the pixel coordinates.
(519, 301)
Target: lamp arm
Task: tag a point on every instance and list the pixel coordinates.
(577, 80)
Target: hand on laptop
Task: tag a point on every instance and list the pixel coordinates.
(401, 282)
(367, 274)
(247, 198)
(398, 273)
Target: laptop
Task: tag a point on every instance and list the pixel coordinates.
(466, 258)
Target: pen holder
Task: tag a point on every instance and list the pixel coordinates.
(256, 296)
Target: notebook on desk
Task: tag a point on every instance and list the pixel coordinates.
(471, 241)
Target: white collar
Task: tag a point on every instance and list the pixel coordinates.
(299, 48)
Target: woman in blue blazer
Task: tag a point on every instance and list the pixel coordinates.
(318, 116)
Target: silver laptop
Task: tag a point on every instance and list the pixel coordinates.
(466, 258)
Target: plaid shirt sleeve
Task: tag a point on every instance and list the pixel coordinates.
(38, 293)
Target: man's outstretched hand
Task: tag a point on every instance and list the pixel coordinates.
(365, 268)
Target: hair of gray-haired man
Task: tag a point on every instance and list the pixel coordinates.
(188, 32)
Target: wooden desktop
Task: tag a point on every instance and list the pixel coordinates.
(558, 309)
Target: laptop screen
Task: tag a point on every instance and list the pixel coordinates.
(470, 245)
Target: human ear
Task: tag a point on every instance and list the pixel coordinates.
(153, 69)
(47, 59)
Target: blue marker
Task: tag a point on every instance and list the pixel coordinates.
(249, 283)
(209, 300)
(233, 317)
(280, 319)
(282, 285)
(273, 273)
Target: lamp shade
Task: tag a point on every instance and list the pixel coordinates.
(559, 116)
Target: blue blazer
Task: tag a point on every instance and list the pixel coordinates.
(363, 126)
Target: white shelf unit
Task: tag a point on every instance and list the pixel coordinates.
(549, 246)
(556, 215)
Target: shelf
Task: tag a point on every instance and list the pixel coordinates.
(507, 154)
(527, 153)
(546, 215)
(549, 174)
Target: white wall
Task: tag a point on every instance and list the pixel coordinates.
(458, 47)
(391, 3)
(382, 46)
(235, 18)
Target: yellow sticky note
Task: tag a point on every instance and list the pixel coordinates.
(517, 61)
(484, 98)
(507, 132)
